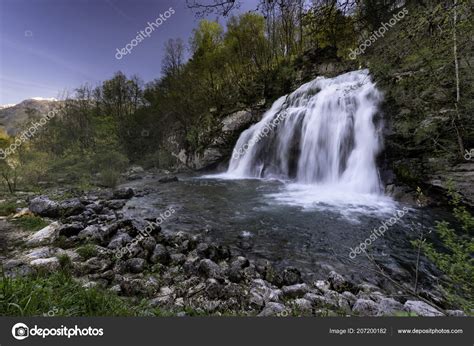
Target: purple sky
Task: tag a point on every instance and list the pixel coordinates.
(51, 46)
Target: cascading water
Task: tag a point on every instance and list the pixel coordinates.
(321, 138)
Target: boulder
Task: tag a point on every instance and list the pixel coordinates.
(303, 306)
(421, 308)
(136, 265)
(44, 236)
(41, 252)
(92, 232)
(119, 240)
(116, 204)
(160, 255)
(209, 269)
(389, 306)
(291, 276)
(295, 291)
(70, 229)
(17, 268)
(338, 282)
(43, 206)
(165, 297)
(365, 307)
(272, 309)
(322, 285)
(47, 264)
(71, 207)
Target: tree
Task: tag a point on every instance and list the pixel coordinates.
(174, 56)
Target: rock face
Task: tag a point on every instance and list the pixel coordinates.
(221, 146)
(462, 177)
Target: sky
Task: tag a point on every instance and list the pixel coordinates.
(49, 47)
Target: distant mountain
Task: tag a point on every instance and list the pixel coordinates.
(8, 105)
(14, 117)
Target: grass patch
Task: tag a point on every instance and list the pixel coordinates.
(30, 223)
(37, 295)
(7, 208)
(87, 251)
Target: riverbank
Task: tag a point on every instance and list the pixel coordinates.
(177, 273)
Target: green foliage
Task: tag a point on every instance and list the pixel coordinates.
(161, 158)
(7, 208)
(37, 295)
(65, 262)
(109, 178)
(456, 259)
(414, 64)
(30, 223)
(87, 251)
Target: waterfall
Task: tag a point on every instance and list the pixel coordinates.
(323, 134)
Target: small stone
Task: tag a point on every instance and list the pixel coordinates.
(322, 285)
(160, 255)
(338, 282)
(389, 306)
(295, 291)
(116, 204)
(456, 313)
(303, 306)
(209, 269)
(125, 193)
(272, 309)
(291, 276)
(165, 297)
(136, 265)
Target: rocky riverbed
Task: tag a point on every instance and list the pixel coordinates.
(183, 271)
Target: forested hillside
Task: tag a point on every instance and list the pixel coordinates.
(420, 59)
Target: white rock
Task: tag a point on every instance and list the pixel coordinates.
(44, 236)
(421, 308)
(48, 264)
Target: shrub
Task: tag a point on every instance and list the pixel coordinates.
(456, 259)
(109, 178)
